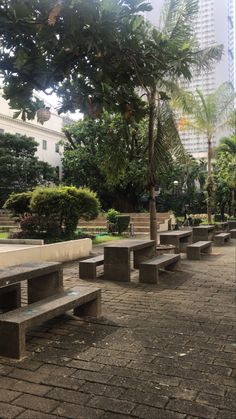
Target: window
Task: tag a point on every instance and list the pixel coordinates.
(57, 148)
(1, 131)
(44, 145)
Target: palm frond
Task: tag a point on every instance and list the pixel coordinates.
(177, 18)
(224, 98)
(204, 58)
(168, 144)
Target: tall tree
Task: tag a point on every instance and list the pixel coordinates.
(99, 55)
(108, 156)
(208, 114)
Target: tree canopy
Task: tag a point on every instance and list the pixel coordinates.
(100, 55)
(108, 156)
(208, 114)
(225, 175)
(76, 48)
(93, 54)
(20, 170)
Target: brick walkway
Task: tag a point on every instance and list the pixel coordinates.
(164, 351)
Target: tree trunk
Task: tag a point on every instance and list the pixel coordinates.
(233, 206)
(222, 212)
(151, 149)
(209, 183)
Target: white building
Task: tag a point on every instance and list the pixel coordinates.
(215, 24)
(48, 136)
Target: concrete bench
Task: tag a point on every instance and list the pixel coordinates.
(148, 270)
(233, 233)
(194, 250)
(221, 238)
(232, 224)
(43, 279)
(14, 324)
(10, 297)
(87, 268)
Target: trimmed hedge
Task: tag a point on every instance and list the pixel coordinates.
(117, 222)
(54, 211)
(123, 223)
(18, 203)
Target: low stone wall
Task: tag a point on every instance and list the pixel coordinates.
(56, 252)
(22, 241)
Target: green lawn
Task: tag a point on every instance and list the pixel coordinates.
(103, 239)
(3, 235)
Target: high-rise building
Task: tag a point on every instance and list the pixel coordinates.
(215, 24)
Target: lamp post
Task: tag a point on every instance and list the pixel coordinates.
(186, 208)
(176, 184)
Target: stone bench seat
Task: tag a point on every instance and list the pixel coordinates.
(87, 268)
(233, 233)
(221, 238)
(14, 324)
(194, 250)
(149, 270)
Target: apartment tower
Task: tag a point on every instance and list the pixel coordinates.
(215, 24)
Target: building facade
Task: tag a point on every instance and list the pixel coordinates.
(48, 136)
(215, 24)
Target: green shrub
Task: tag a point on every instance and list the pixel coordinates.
(112, 215)
(117, 222)
(54, 211)
(18, 203)
(196, 221)
(217, 217)
(30, 224)
(123, 223)
(60, 208)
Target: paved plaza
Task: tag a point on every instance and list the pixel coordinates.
(159, 351)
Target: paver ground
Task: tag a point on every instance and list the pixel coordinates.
(159, 351)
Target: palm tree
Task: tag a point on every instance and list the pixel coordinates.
(227, 150)
(208, 114)
(180, 55)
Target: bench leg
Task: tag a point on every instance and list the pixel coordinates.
(207, 249)
(148, 274)
(10, 297)
(183, 243)
(174, 266)
(45, 286)
(12, 342)
(143, 254)
(193, 254)
(90, 309)
(87, 271)
(116, 264)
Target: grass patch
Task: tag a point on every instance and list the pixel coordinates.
(102, 239)
(3, 235)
